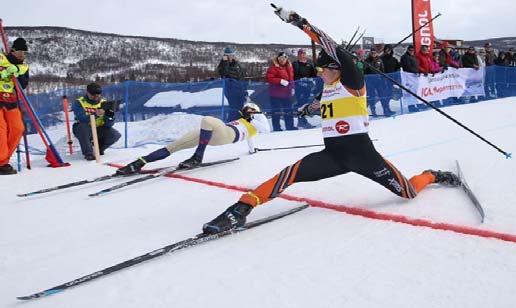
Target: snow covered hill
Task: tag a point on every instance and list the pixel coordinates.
(61, 57)
(315, 258)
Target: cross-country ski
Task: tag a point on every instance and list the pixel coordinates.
(190, 242)
(131, 132)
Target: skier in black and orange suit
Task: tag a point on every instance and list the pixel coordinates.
(11, 123)
(345, 125)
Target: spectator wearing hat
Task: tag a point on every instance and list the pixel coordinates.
(424, 59)
(409, 61)
(409, 64)
(92, 103)
(446, 58)
(489, 59)
(234, 88)
(11, 122)
(390, 65)
(469, 59)
(374, 92)
(490, 54)
(304, 71)
(280, 76)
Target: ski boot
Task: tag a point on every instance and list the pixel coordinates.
(445, 177)
(131, 168)
(191, 162)
(233, 217)
(7, 170)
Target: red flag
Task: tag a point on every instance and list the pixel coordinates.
(421, 14)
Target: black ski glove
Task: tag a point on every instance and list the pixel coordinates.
(305, 110)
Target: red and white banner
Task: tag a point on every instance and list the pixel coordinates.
(454, 82)
(421, 14)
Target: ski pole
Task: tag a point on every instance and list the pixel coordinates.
(350, 54)
(27, 154)
(314, 52)
(18, 157)
(357, 40)
(294, 147)
(288, 148)
(415, 31)
(25, 140)
(352, 37)
(507, 155)
(66, 109)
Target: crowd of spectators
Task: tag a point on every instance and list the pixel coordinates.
(291, 85)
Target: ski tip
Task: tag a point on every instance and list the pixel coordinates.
(274, 6)
(38, 295)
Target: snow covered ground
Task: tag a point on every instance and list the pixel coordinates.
(315, 258)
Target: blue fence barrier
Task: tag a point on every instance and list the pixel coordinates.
(223, 98)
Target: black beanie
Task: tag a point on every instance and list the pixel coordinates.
(19, 44)
(94, 89)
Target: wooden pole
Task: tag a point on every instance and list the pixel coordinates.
(95, 138)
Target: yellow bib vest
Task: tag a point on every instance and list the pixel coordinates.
(7, 87)
(90, 108)
(342, 113)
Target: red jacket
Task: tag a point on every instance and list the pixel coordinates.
(275, 73)
(425, 62)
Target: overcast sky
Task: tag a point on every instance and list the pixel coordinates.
(253, 21)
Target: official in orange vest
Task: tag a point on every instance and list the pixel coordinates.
(11, 122)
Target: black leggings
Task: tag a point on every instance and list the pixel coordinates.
(355, 153)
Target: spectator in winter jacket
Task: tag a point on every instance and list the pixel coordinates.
(390, 63)
(360, 53)
(501, 60)
(435, 66)
(490, 54)
(511, 56)
(304, 71)
(375, 92)
(234, 88)
(375, 61)
(502, 84)
(409, 61)
(469, 59)
(481, 57)
(445, 57)
(92, 103)
(425, 60)
(280, 77)
(11, 123)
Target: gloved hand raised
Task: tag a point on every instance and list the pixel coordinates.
(8, 71)
(288, 16)
(304, 110)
